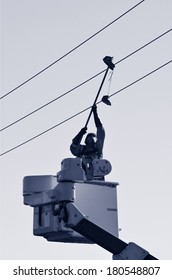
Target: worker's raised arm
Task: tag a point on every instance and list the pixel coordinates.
(100, 132)
(75, 147)
(96, 118)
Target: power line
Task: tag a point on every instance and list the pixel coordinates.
(48, 103)
(72, 50)
(150, 42)
(143, 77)
(45, 131)
(74, 88)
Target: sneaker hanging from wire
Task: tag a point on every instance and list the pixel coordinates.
(105, 98)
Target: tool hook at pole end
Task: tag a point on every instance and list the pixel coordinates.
(108, 61)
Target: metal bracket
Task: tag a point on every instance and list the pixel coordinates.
(74, 215)
(131, 252)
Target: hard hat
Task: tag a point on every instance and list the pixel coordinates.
(90, 135)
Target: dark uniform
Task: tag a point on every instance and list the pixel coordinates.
(93, 147)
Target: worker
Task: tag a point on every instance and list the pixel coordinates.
(93, 147)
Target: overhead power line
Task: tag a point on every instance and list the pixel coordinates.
(55, 99)
(150, 42)
(72, 50)
(143, 77)
(73, 116)
(81, 84)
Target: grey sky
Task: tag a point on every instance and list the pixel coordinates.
(138, 124)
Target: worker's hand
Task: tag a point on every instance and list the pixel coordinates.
(94, 108)
(84, 130)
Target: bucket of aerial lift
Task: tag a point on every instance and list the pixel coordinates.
(47, 194)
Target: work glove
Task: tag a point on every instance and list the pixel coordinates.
(79, 136)
(83, 130)
(96, 118)
(94, 109)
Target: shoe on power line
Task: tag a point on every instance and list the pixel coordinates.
(105, 99)
(108, 61)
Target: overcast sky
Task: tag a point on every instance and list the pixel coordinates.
(138, 141)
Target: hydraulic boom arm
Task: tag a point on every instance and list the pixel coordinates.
(119, 249)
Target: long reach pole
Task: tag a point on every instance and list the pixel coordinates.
(108, 62)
